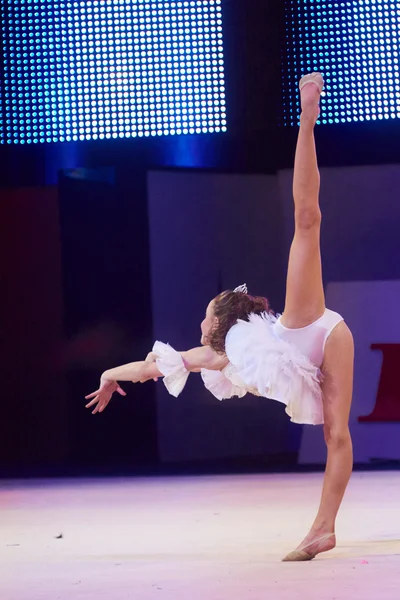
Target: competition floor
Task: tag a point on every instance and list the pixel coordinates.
(195, 538)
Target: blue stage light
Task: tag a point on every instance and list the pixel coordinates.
(355, 44)
(68, 59)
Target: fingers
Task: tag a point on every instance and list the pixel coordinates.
(92, 395)
(121, 391)
(93, 402)
(100, 407)
(101, 402)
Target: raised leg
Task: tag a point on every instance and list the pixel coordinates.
(305, 300)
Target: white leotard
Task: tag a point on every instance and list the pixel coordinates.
(311, 340)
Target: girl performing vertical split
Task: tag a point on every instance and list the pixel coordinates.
(303, 359)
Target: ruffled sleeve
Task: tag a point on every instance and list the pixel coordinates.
(219, 384)
(170, 364)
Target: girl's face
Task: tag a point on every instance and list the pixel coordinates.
(208, 323)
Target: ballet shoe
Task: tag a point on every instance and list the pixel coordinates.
(301, 554)
(315, 78)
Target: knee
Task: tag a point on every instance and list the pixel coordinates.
(336, 438)
(308, 218)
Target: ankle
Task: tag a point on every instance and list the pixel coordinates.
(307, 120)
(321, 527)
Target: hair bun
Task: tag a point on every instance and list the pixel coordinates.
(260, 304)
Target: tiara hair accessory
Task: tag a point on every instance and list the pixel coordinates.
(241, 289)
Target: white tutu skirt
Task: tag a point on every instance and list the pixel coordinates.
(275, 368)
(260, 363)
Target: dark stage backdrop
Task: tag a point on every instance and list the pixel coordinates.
(75, 300)
(105, 264)
(33, 426)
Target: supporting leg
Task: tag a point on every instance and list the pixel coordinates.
(337, 394)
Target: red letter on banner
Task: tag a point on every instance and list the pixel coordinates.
(387, 407)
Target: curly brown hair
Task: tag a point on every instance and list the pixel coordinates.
(228, 308)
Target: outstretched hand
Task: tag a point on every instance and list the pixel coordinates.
(102, 396)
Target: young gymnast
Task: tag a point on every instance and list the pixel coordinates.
(303, 359)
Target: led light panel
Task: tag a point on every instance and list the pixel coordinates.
(356, 45)
(99, 69)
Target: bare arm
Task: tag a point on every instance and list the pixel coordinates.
(135, 372)
(195, 360)
(203, 358)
